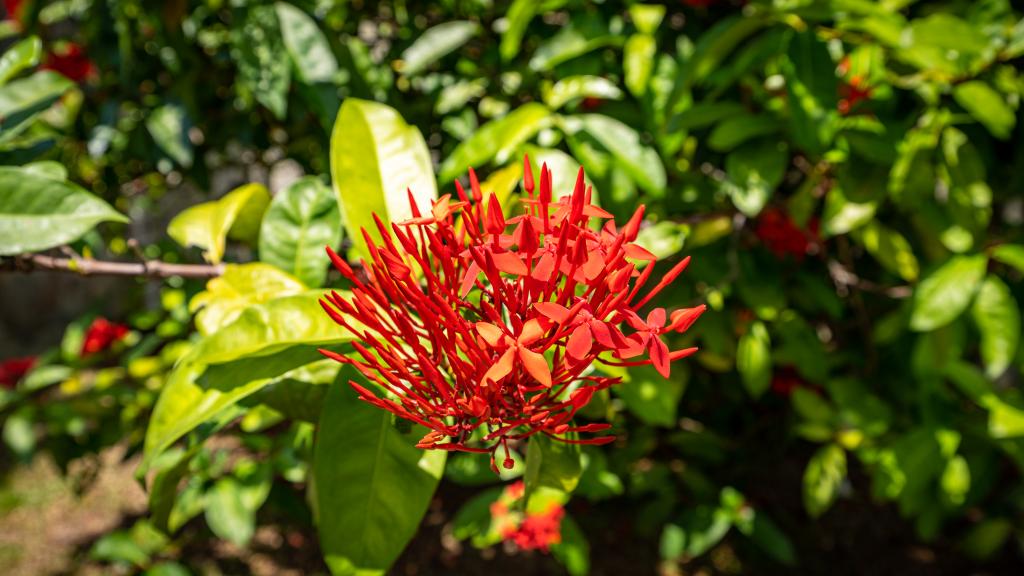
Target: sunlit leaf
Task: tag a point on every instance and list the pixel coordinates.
(300, 223)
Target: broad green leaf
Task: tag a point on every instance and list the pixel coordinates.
(573, 551)
(299, 394)
(551, 464)
(736, 130)
(956, 480)
(843, 215)
(698, 531)
(572, 88)
(812, 91)
(257, 48)
(755, 169)
(308, 48)
(436, 43)
(716, 44)
(702, 115)
(232, 503)
(987, 537)
(300, 223)
(771, 539)
(22, 99)
(49, 168)
(580, 35)
(240, 286)
(754, 360)
(945, 293)
(518, 17)
(1005, 420)
(638, 58)
(823, 476)
(651, 397)
(209, 224)
(1010, 254)
(943, 45)
(468, 469)
(641, 162)
(169, 125)
(372, 485)
(269, 327)
(987, 106)
(37, 212)
(119, 547)
(647, 17)
(375, 158)
(890, 248)
(496, 141)
(997, 316)
(663, 239)
(21, 56)
(456, 96)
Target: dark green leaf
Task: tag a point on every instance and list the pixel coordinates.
(436, 43)
(169, 126)
(302, 220)
(308, 48)
(496, 141)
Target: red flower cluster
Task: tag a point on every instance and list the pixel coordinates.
(485, 335)
(530, 531)
(782, 236)
(785, 381)
(852, 91)
(13, 370)
(101, 334)
(13, 9)
(71, 61)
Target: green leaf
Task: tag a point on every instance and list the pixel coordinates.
(240, 286)
(716, 44)
(375, 158)
(496, 141)
(942, 296)
(890, 248)
(573, 551)
(119, 547)
(169, 125)
(638, 59)
(755, 169)
(21, 56)
(575, 87)
(301, 221)
(436, 43)
(257, 46)
(1010, 254)
(647, 17)
(698, 531)
(209, 224)
(641, 162)
(997, 316)
(651, 397)
(987, 537)
(702, 115)
(372, 485)
(663, 239)
(823, 476)
(551, 464)
(22, 99)
(37, 212)
(298, 394)
(581, 35)
(310, 52)
(986, 106)
(771, 539)
(232, 503)
(736, 130)
(843, 215)
(812, 91)
(754, 360)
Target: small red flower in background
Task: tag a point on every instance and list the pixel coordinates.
(590, 103)
(13, 9)
(101, 334)
(13, 370)
(70, 60)
(782, 236)
(852, 91)
(785, 381)
(469, 328)
(528, 531)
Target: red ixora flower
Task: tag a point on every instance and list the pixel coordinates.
(101, 334)
(483, 329)
(71, 61)
(13, 370)
(528, 531)
(782, 236)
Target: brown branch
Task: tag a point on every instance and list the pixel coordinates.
(89, 267)
(844, 277)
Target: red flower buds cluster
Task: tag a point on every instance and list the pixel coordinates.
(71, 61)
(13, 370)
(528, 531)
(782, 236)
(483, 329)
(101, 335)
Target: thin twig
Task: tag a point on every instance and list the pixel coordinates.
(89, 267)
(844, 277)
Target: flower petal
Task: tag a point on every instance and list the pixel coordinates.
(501, 368)
(553, 311)
(533, 330)
(536, 365)
(580, 342)
(490, 333)
(659, 356)
(509, 263)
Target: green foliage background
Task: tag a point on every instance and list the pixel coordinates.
(869, 379)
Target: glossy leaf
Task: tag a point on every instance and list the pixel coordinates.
(435, 43)
(22, 99)
(169, 125)
(1010, 254)
(754, 360)
(37, 212)
(755, 169)
(496, 141)
(308, 48)
(823, 476)
(566, 90)
(998, 318)
(551, 464)
(300, 223)
(986, 106)
(257, 47)
(638, 59)
(945, 293)
(890, 248)
(650, 397)
(641, 162)
(23, 55)
(372, 485)
(375, 158)
(209, 224)
(240, 286)
(580, 36)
